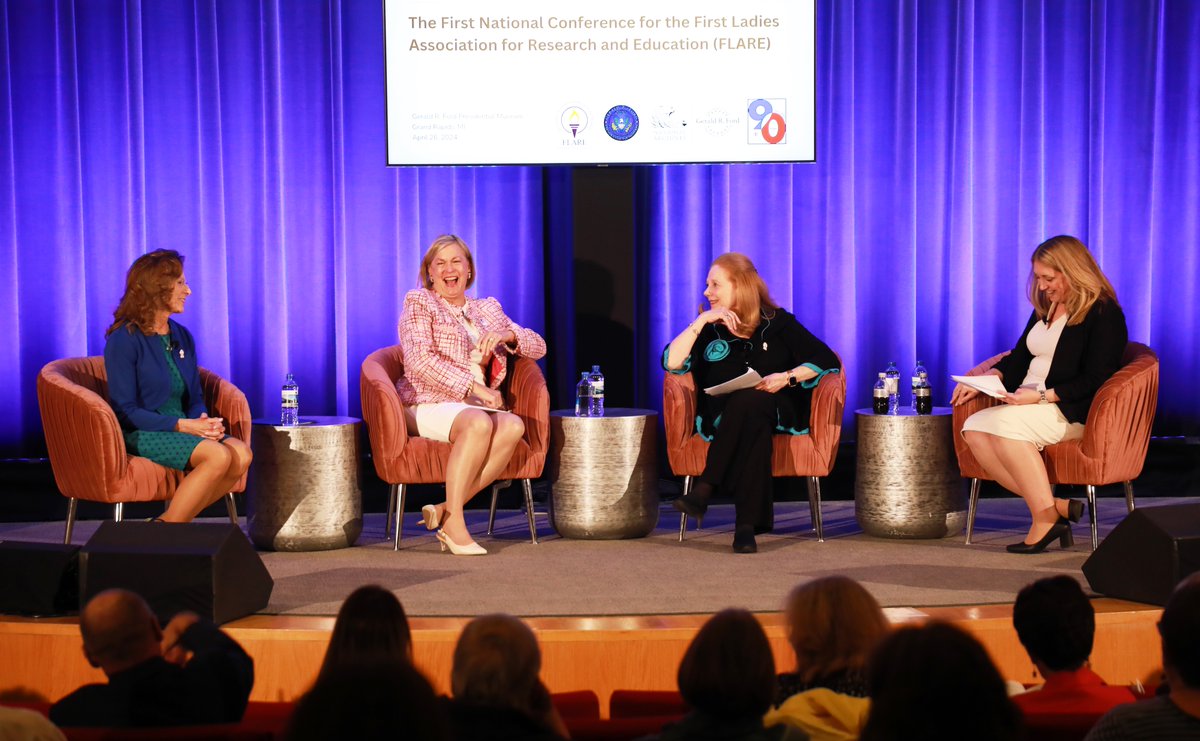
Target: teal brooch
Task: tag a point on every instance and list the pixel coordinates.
(716, 350)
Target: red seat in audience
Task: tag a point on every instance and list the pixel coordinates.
(646, 704)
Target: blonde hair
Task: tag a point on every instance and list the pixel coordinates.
(751, 299)
(833, 625)
(439, 244)
(1086, 281)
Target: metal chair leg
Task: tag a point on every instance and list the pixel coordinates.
(972, 505)
(1129, 496)
(72, 503)
(814, 504)
(387, 521)
(118, 511)
(496, 487)
(687, 488)
(231, 505)
(398, 495)
(1091, 497)
(527, 485)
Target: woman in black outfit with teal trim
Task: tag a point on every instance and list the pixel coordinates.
(154, 388)
(744, 328)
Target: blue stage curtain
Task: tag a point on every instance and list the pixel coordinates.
(952, 138)
(250, 136)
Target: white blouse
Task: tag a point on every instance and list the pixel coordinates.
(1041, 341)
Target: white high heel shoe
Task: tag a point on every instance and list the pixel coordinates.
(471, 549)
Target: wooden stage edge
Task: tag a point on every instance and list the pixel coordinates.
(600, 653)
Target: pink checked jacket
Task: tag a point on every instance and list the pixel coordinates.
(437, 348)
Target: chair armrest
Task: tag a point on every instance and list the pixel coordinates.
(383, 412)
(679, 409)
(1120, 418)
(529, 399)
(83, 437)
(825, 416)
(226, 401)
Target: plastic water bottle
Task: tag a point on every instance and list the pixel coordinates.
(879, 397)
(289, 406)
(923, 395)
(597, 408)
(893, 387)
(583, 395)
(916, 377)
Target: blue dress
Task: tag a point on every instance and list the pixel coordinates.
(170, 449)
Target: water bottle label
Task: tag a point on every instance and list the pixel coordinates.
(893, 385)
(597, 388)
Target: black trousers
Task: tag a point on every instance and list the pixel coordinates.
(739, 457)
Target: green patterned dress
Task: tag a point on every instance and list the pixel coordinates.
(170, 449)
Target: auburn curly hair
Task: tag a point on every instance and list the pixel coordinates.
(148, 286)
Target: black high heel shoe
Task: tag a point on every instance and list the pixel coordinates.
(1060, 530)
(696, 503)
(1074, 510)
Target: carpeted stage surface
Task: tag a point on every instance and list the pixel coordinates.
(658, 575)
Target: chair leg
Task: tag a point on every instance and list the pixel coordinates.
(496, 487)
(972, 505)
(1091, 497)
(387, 521)
(118, 511)
(527, 485)
(687, 489)
(72, 503)
(398, 497)
(231, 505)
(1129, 496)
(814, 505)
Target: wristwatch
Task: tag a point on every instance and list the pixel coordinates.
(791, 379)
(1043, 400)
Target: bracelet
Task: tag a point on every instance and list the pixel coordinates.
(1043, 400)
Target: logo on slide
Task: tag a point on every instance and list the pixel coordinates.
(621, 122)
(767, 121)
(574, 120)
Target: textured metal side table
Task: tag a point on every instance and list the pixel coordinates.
(907, 483)
(604, 474)
(303, 487)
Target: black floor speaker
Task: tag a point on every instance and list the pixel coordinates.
(209, 569)
(1147, 554)
(38, 579)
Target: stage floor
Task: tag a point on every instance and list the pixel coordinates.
(619, 614)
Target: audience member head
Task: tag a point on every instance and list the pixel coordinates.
(833, 625)
(728, 670)
(148, 287)
(1056, 623)
(496, 664)
(1085, 282)
(1180, 631)
(119, 631)
(750, 295)
(371, 628)
(380, 701)
(937, 682)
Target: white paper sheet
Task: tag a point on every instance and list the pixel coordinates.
(749, 379)
(987, 384)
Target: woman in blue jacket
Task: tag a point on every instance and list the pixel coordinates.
(154, 387)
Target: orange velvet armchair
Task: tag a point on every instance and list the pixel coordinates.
(401, 459)
(811, 455)
(87, 449)
(1113, 447)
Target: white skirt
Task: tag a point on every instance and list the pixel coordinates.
(1040, 424)
(433, 421)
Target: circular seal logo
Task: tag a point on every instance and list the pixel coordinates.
(621, 122)
(716, 350)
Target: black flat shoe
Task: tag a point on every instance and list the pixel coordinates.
(1074, 510)
(743, 539)
(691, 506)
(1060, 531)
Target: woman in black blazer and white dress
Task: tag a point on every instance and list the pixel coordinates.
(1071, 345)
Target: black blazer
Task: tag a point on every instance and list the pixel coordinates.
(1087, 355)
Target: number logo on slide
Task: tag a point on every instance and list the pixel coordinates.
(621, 122)
(767, 124)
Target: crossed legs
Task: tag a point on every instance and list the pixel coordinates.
(481, 445)
(215, 468)
(1018, 466)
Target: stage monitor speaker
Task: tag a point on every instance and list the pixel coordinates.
(209, 569)
(38, 579)
(1147, 554)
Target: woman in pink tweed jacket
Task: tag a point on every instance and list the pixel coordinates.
(455, 351)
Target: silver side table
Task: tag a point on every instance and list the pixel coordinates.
(907, 483)
(303, 490)
(604, 474)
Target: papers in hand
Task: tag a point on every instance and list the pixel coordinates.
(749, 379)
(988, 384)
